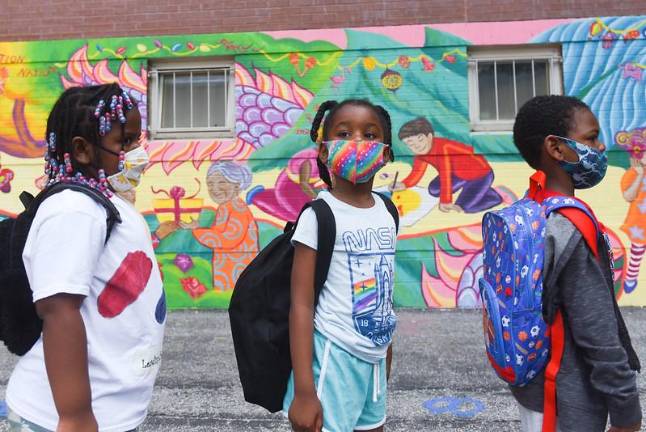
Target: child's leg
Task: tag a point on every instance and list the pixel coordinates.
(531, 421)
(632, 272)
(478, 195)
(435, 185)
(341, 381)
(373, 415)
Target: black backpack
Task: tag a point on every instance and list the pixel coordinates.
(20, 326)
(259, 309)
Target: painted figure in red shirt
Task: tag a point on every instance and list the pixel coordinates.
(458, 167)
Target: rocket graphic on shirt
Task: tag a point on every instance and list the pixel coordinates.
(371, 255)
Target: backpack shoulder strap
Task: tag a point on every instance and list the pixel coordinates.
(581, 218)
(325, 241)
(112, 214)
(391, 208)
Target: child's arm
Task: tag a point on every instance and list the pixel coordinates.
(65, 349)
(305, 413)
(389, 361)
(630, 194)
(589, 307)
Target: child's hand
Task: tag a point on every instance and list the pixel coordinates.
(191, 225)
(450, 207)
(306, 413)
(165, 229)
(399, 186)
(85, 423)
(634, 428)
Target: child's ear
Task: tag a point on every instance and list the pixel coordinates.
(388, 154)
(553, 148)
(323, 153)
(82, 150)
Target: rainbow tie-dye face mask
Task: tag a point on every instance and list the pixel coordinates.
(355, 160)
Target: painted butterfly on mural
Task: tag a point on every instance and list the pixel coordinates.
(6, 175)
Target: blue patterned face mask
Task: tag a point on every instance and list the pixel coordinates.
(591, 167)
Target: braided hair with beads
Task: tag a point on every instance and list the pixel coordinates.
(86, 112)
(323, 120)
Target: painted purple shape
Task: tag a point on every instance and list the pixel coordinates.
(248, 89)
(258, 128)
(279, 129)
(266, 139)
(272, 115)
(241, 126)
(246, 136)
(264, 100)
(292, 115)
(247, 100)
(183, 262)
(281, 104)
(252, 115)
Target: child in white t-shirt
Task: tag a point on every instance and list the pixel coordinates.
(339, 348)
(102, 304)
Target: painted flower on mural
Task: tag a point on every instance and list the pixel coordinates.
(427, 64)
(267, 106)
(607, 40)
(370, 63)
(4, 74)
(193, 287)
(184, 262)
(6, 175)
(81, 73)
(632, 70)
(392, 80)
(595, 28)
(634, 142)
(404, 61)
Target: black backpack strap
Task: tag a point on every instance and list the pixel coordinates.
(113, 216)
(391, 208)
(325, 242)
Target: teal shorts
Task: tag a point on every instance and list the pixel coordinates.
(19, 424)
(352, 392)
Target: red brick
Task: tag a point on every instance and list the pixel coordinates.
(53, 19)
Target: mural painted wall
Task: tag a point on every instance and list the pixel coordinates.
(212, 203)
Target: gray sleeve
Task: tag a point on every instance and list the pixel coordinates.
(588, 307)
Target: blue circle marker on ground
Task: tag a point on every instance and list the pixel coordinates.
(460, 407)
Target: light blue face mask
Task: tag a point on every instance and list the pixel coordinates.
(591, 167)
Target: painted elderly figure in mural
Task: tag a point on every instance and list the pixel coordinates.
(296, 185)
(633, 187)
(233, 237)
(458, 167)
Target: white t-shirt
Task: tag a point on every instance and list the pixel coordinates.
(355, 308)
(123, 310)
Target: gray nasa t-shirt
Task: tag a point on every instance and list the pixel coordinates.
(355, 308)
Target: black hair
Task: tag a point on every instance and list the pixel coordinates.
(73, 115)
(331, 107)
(542, 116)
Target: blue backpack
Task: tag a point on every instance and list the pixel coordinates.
(517, 338)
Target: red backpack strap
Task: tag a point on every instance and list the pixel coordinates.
(588, 230)
(557, 339)
(585, 225)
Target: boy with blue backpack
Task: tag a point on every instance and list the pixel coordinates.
(552, 324)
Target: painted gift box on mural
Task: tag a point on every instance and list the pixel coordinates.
(177, 207)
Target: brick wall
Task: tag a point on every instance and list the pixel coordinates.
(59, 19)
